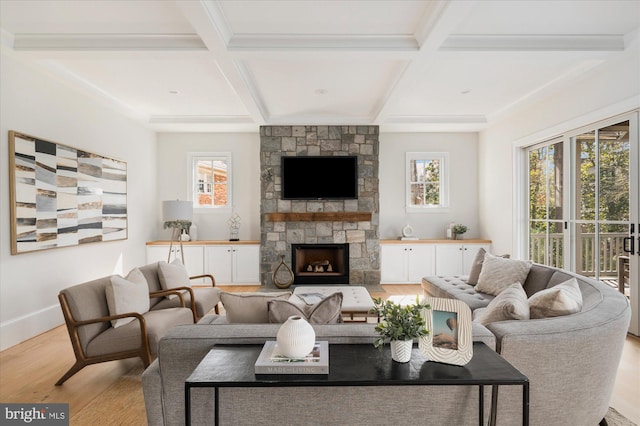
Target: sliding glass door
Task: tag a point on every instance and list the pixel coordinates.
(584, 205)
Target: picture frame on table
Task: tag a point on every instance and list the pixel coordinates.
(449, 340)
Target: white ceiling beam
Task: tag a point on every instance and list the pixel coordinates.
(533, 43)
(334, 42)
(98, 42)
(204, 17)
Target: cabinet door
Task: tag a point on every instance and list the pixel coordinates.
(469, 254)
(246, 264)
(449, 259)
(393, 264)
(421, 261)
(218, 260)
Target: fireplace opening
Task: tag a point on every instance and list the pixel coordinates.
(320, 263)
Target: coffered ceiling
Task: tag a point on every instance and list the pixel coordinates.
(232, 65)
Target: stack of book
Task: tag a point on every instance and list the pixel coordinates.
(271, 362)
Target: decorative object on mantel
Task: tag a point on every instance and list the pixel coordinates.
(283, 275)
(295, 338)
(234, 227)
(458, 230)
(400, 324)
(450, 340)
(62, 196)
(407, 233)
(177, 215)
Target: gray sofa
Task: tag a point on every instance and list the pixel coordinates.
(182, 349)
(571, 361)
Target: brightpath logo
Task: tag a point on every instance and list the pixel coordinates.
(37, 414)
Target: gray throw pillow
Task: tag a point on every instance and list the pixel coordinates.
(124, 297)
(510, 304)
(476, 266)
(327, 311)
(250, 307)
(498, 273)
(562, 299)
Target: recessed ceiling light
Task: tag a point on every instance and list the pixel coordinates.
(321, 91)
(465, 91)
(174, 92)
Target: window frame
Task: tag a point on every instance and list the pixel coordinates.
(192, 179)
(443, 158)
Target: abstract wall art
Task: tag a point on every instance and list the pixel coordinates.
(63, 196)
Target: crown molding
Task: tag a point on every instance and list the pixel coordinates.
(533, 43)
(62, 42)
(201, 119)
(436, 119)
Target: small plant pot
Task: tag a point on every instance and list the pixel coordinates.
(401, 350)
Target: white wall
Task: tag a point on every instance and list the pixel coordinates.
(34, 103)
(245, 170)
(603, 93)
(463, 174)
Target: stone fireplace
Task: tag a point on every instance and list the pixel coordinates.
(320, 263)
(351, 222)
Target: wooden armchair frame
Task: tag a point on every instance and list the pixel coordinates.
(82, 359)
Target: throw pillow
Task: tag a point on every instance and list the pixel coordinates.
(510, 304)
(249, 307)
(327, 311)
(476, 266)
(173, 275)
(136, 276)
(562, 299)
(498, 273)
(124, 296)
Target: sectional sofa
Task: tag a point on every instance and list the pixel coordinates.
(571, 362)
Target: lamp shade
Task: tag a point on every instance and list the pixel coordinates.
(177, 210)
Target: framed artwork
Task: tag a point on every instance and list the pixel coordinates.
(63, 196)
(449, 324)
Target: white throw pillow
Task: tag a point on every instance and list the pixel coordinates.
(250, 307)
(499, 273)
(173, 275)
(510, 304)
(562, 299)
(124, 296)
(476, 266)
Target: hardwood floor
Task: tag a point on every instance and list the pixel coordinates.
(29, 370)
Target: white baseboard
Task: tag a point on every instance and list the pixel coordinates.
(19, 329)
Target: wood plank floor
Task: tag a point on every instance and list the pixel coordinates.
(29, 370)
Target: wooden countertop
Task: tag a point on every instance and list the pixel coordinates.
(469, 241)
(204, 243)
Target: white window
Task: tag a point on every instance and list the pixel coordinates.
(427, 181)
(210, 179)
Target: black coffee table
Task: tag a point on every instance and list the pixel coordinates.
(233, 366)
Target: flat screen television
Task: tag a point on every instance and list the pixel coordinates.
(319, 178)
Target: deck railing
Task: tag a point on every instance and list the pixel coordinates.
(611, 246)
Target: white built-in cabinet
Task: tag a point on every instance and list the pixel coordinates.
(408, 263)
(228, 263)
(456, 259)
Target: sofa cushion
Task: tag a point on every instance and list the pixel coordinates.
(250, 307)
(173, 275)
(126, 296)
(499, 273)
(455, 288)
(562, 299)
(326, 311)
(510, 304)
(476, 266)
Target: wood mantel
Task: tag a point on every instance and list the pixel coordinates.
(320, 217)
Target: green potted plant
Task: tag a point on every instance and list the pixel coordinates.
(458, 230)
(399, 325)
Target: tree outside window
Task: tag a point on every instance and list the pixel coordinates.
(427, 180)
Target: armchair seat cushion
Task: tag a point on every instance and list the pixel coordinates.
(127, 337)
(206, 299)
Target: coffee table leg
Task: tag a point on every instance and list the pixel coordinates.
(187, 405)
(217, 406)
(481, 404)
(525, 404)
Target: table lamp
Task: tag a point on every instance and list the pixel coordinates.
(177, 215)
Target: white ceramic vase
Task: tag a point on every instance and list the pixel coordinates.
(401, 350)
(295, 337)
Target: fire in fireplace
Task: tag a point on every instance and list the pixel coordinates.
(320, 263)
